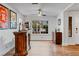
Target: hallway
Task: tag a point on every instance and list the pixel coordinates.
(47, 48)
(39, 22)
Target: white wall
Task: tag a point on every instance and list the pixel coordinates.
(6, 35)
(51, 27)
(61, 16)
(75, 36)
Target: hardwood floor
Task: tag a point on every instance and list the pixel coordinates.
(47, 48)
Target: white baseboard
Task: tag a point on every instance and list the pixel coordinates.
(6, 48)
(66, 44)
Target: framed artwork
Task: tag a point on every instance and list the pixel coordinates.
(13, 20)
(4, 17)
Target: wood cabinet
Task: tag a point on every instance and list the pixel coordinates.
(58, 37)
(20, 43)
(29, 38)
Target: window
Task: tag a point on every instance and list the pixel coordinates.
(40, 27)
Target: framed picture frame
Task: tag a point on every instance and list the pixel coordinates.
(4, 17)
(13, 20)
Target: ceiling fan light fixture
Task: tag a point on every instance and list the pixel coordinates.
(39, 12)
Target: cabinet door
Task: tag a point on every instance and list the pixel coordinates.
(58, 38)
(20, 44)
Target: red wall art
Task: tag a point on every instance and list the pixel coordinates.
(4, 17)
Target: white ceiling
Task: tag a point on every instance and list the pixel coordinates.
(50, 9)
(74, 7)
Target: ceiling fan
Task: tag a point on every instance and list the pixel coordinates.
(40, 11)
